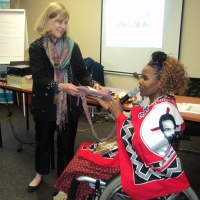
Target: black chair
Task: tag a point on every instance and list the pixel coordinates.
(192, 128)
(193, 88)
(96, 71)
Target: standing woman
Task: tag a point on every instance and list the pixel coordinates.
(57, 68)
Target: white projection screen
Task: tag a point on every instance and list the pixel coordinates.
(133, 29)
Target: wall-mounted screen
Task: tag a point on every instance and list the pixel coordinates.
(133, 29)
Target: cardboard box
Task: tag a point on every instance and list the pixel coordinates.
(8, 95)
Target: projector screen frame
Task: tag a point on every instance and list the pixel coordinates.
(128, 72)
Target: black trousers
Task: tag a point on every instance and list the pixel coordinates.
(65, 144)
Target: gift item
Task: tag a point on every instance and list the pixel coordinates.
(88, 91)
(107, 146)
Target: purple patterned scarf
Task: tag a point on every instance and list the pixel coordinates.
(59, 54)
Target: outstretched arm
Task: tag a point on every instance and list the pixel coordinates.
(103, 103)
(113, 106)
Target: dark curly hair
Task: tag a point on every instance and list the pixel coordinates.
(172, 74)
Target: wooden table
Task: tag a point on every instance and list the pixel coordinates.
(26, 91)
(179, 99)
(127, 106)
(187, 115)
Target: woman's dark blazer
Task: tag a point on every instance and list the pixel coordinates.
(42, 105)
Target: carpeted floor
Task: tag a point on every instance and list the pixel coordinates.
(17, 168)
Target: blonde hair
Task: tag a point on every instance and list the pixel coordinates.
(54, 9)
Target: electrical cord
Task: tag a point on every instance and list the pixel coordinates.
(99, 121)
(9, 114)
(3, 76)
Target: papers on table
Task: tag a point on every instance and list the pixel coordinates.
(19, 81)
(189, 107)
(20, 66)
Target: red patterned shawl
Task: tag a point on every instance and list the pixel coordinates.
(149, 165)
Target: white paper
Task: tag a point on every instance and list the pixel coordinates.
(12, 25)
(20, 66)
(189, 107)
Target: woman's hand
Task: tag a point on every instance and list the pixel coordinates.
(98, 87)
(68, 88)
(115, 107)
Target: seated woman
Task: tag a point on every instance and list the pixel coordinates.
(139, 138)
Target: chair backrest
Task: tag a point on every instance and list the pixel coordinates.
(95, 69)
(193, 88)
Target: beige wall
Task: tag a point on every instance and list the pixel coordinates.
(190, 42)
(85, 26)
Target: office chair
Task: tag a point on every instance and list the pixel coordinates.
(192, 128)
